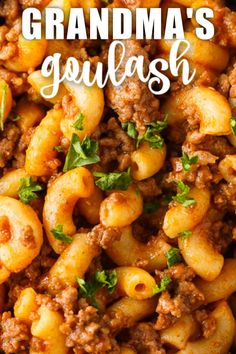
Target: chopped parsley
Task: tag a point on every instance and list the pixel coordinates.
(185, 234)
(130, 129)
(152, 134)
(173, 256)
(81, 154)
(150, 207)
(165, 281)
(3, 107)
(59, 234)
(233, 124)
(27, 190)
(100, 280)
(113, 180)
(182, 196)
(78, 124)
(108, 279)
(58, 148)
(188, 161)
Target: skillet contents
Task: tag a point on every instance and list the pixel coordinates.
(117, 207)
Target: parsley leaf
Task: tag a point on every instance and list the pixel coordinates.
(233, 125)
(81, 154)
(78, 124)
(27, 190)
(182, 196)
(188, 161)
(165, 281)
(3, 107)
(130, 129)
(59, 235)
(87, 290)
(58, 148)
(105, 278)
(150, 207)
(100, 280)
(185, 234)
(173, 256)
(113, 180)
(152, 134)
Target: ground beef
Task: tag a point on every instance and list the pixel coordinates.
(68, 300)
(10, 10)
(114, 145)
(132, 100)
(216, 145)
(30, 276)
(19, 156)
(8, 142)
(206, 321)
(149, 187)
(219, 234)
(103, 236)
(200, 173)
(31, 3)
(15, 335)
(8, 40)
(225, 197)
(225, 20)
(37, 345)
(93, 332)
(183, 296)
(227, 81)
(17, 82)
(145, 339)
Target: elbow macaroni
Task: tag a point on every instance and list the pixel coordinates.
(146, 161)
(154, 273)
(21, 234)
(40, 155)
(112, 208)
(128, 251)
(178, 218)
(60, 202)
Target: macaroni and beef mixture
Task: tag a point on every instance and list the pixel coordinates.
(117, 208)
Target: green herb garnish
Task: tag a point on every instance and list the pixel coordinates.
(3, 107)
(233, 124)
(58, 148)
(78, 124)
(81, 154)
(185, 234)
(113, 180)
(182, 196)
(59, 234)
(173, 256)
(159, 288)
(152, 134)
(27, 190)
(100, 280)
(188, 161)
(130, 129)
(106, 279)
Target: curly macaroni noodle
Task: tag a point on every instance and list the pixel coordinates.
(117, 207)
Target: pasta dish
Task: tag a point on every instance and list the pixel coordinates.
(117, 207)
